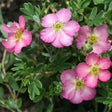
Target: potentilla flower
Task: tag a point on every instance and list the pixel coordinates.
(93, 69)
(74, 88)
(96, 38)
(59, 31)
(18, 36)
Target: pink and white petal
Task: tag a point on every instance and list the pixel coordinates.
(9, 29)
(104, 45)
(92, 58)
(48, 35)
(12, 35)
(65, 40)
(85, 30)
(68, 76)
(27, 37)
(104, 75)
(91, 80)
(10, 50)
(9, 43)
(71, 27)
(16, 24)
(56, 43)
(88, 93)
(104, 63)
(49, 20)
(76, 99)
(20, 44)
(97, 49)
(101, 32)
(22, 22)
(82, 69)
(80, 41)
(64, 15)
(68, 90)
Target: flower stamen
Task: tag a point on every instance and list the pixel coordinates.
(94, 69)
(92, 39)
(18, 34)
(79, 84)
(58, 26)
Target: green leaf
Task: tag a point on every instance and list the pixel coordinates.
(3, 33)
(1, 92)
(110, 29)
(36, 19)
(11, 103)
(33, 90)
(108, 13)
(38, 83)
(13, 83)
(85, 3)
(110, 5)
(19, 102)
(98, 2)
(93, 13)
(1, 17)
(1, 79)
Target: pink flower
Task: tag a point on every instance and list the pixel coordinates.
(74, 88)
(59, 31)
(94, 69)
(98, 38)
(18, 36)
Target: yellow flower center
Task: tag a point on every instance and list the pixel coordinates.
(79, 84)
(92, 39)
(94, 69)
(58, 26)
(18, 34)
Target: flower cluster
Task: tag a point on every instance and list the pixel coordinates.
(78, 84)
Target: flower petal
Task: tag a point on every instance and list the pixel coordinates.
(68, 75)
(11, 50)
(104, 63)
(85, 30)
(104, 75)
(27, 37)
(80, 41)
(49, 20)
(48, 35)
(97, 49)
(22, 22)
(104, 45)
(82, 69)
(76, 99)
(68, 90)
(71, 27)
(9, 43)
(88, 93)
(9, 29)
(64, 15)
(65, 40)
(91, 81)
(12, 35)
(101, 31)
(56, 42)
(92, 58)
(19, 46)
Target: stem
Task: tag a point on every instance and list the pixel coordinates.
(109, 109)
(3, 62)
(105, 109)
(96, 107)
